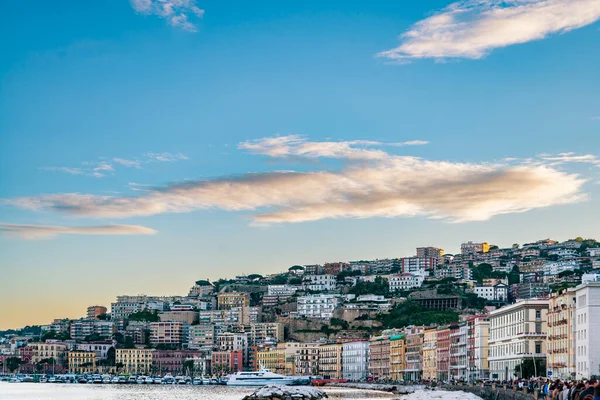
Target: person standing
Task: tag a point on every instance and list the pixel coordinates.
(588, 394)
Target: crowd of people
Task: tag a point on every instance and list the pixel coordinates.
(571, 390)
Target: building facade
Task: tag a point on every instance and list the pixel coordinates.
(561, 332)
(430, 354)
(379, 357)
(355, 360)
(82, 362)
(587, 319)
(134, 361)
(517, 331)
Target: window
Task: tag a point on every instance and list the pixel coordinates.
(538, 348)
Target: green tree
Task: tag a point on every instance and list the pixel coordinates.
(12, 363)
(379, 286)
(411, 313)
(144, 316)
(527, 369)
(255, 277)
(514, 276)
(188, 367)
(103, 317)
(128, 343)
(294, 269)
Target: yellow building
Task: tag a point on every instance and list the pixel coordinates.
(267, 358)
(561, 338)
(135, 361)
(430, 354)
(82, 362)
(397, 351)
(330, 361)
(229, 300)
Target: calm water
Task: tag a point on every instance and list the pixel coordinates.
(49, 391)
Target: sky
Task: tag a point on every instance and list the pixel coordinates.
(146, 144)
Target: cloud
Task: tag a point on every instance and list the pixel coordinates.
(595, 118)
(127, 163)
(297, 146)
(100, 168)
(48, 231)
(473, 28)
(165, 157)
(175, 12)
(72, 171)
(395, 187)
(565, 158)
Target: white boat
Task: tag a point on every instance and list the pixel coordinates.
(115, 379)
(149, 380)
(157, 381)
(197, 381)
(259, 378)
(141, 379)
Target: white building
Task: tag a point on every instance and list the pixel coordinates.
(587, 325)
(590, 278)
(318, 305)
(459, 364)
(564, 253)
(281, 290)
(355, 360)
(415, 265)
(556, 267)
(405, 281)
(517, 331)
(594, 252)
(497, 292)
(319, 283)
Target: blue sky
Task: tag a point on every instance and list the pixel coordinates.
(192, 105)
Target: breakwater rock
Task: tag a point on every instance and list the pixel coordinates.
(397, 389)
(279, 392)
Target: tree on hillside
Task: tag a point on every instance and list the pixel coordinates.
(379, 286)
(514, 276)
(296, 269)
(411, 313)
(144, 316)
(255, 277)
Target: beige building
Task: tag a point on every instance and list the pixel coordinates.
(330, 361)
(229, 300)
(397, 350)
(379, 357)
(430, 354)
(561, 339)
(82, 362)
(413, 357)
(517, 332)
(306, 360)
(189, 317)
(481, 333)
(135, 361)
(50, 349)
(170, 333)
(286, 356)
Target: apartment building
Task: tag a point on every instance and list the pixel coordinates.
(480, 327)
(330, 361)
(472, 248)
(50, 349)
(319, 283)
(458, 351)
(227, 362)
(379, 357)
(172, 361)
(355, 360)
(561, 334)
(234, 316)
(497, 292)
(135, 361)
(405, 281)
(83, 328)
(229, 300)
(100, 349)
(443, 353)
(82, 362)
(417, 265)
(267, 358)
(430, 354)
(94, 311)
(431, 252)
(517, 331)
(587, 319)
(170, 333)
(413, 360)
(318, 305)
(306, 359)
(397, 357)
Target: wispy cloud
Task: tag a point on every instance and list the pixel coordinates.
(176, 12)
(372, 185)
(105, 166)
(298, 146)
(568, 158)
(165, 157)
(48, 231)
(473, 28)
(127, 163)
(595, 118)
